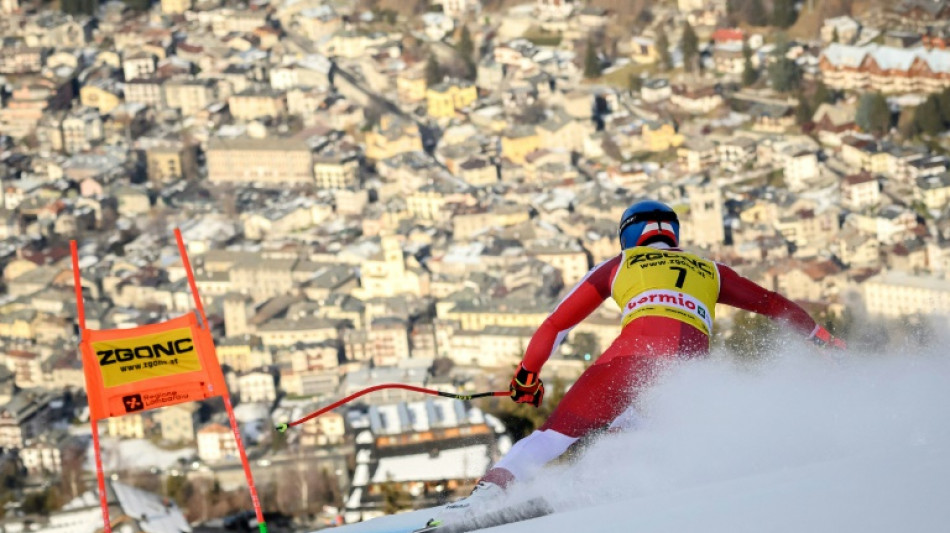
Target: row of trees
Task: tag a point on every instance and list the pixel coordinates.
(930, 118)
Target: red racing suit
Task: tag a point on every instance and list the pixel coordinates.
(608, 386)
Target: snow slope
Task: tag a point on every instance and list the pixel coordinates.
(798, 443)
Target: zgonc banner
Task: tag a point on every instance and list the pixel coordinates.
(150, 366)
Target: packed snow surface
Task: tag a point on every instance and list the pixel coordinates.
(798, 442)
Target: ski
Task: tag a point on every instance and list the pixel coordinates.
(534, 508)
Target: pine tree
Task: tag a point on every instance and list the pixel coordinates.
(465, 46)
(873, 114)
(433, 71)
(784, 73)
(804, 111)
(663, 49)
(591, 62)
(749, 73)
(927, 117)
(821, 95)
(690, 46)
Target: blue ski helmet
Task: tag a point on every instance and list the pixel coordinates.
(649, 221)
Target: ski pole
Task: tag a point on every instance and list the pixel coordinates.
(283, 427)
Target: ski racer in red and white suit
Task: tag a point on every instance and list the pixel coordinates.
(666, 315)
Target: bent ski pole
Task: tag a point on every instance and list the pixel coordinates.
(283, 427)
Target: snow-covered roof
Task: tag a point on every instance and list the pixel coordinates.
(421, 416)
(149, 510)
(887, 57)
(459, 463)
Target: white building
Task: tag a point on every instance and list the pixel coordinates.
(257, 387)
(216, 443)
(893, 294)
(801, 168)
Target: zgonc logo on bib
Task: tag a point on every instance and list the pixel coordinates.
(134, 359)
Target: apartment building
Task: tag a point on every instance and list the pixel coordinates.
(216, 443)
(175, 7)
(169, 160)
(257, 386)
(131, 426)
(178, 422)
(337, 170)
(189, 95)
(893, 294)
(268, 161)
(519, 141)
(445, 99)
(253, 104)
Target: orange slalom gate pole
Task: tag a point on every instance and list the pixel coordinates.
(81, 315)
(255, 501)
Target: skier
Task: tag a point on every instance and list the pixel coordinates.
(667, 297)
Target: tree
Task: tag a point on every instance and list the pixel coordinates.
(784, 13)
(395, 498)
(927, 117)
(804, 111)
(873, 115)
(755, 13)
(785, 74)
(943, 99)
(663, 49)
(905, 123)
(433, 71)
(749, 73)
(466, 48)
(690, 46)
(591, 62)
(634, 83)
(821, 96)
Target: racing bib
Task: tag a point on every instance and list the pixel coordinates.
(672, 284)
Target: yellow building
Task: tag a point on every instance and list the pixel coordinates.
(99, 96)
(660, 136)
(387, 275)
(242, 353)
(392, 137)
(411, 85)
(175, 7)
(169, 161)
(518, 142)
(250, 105)
(476, 317)
(130, 426)
(465, 225)
(337, 170)
(445, 99)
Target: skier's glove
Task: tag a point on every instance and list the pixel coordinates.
(526, 387)
(823, 338)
